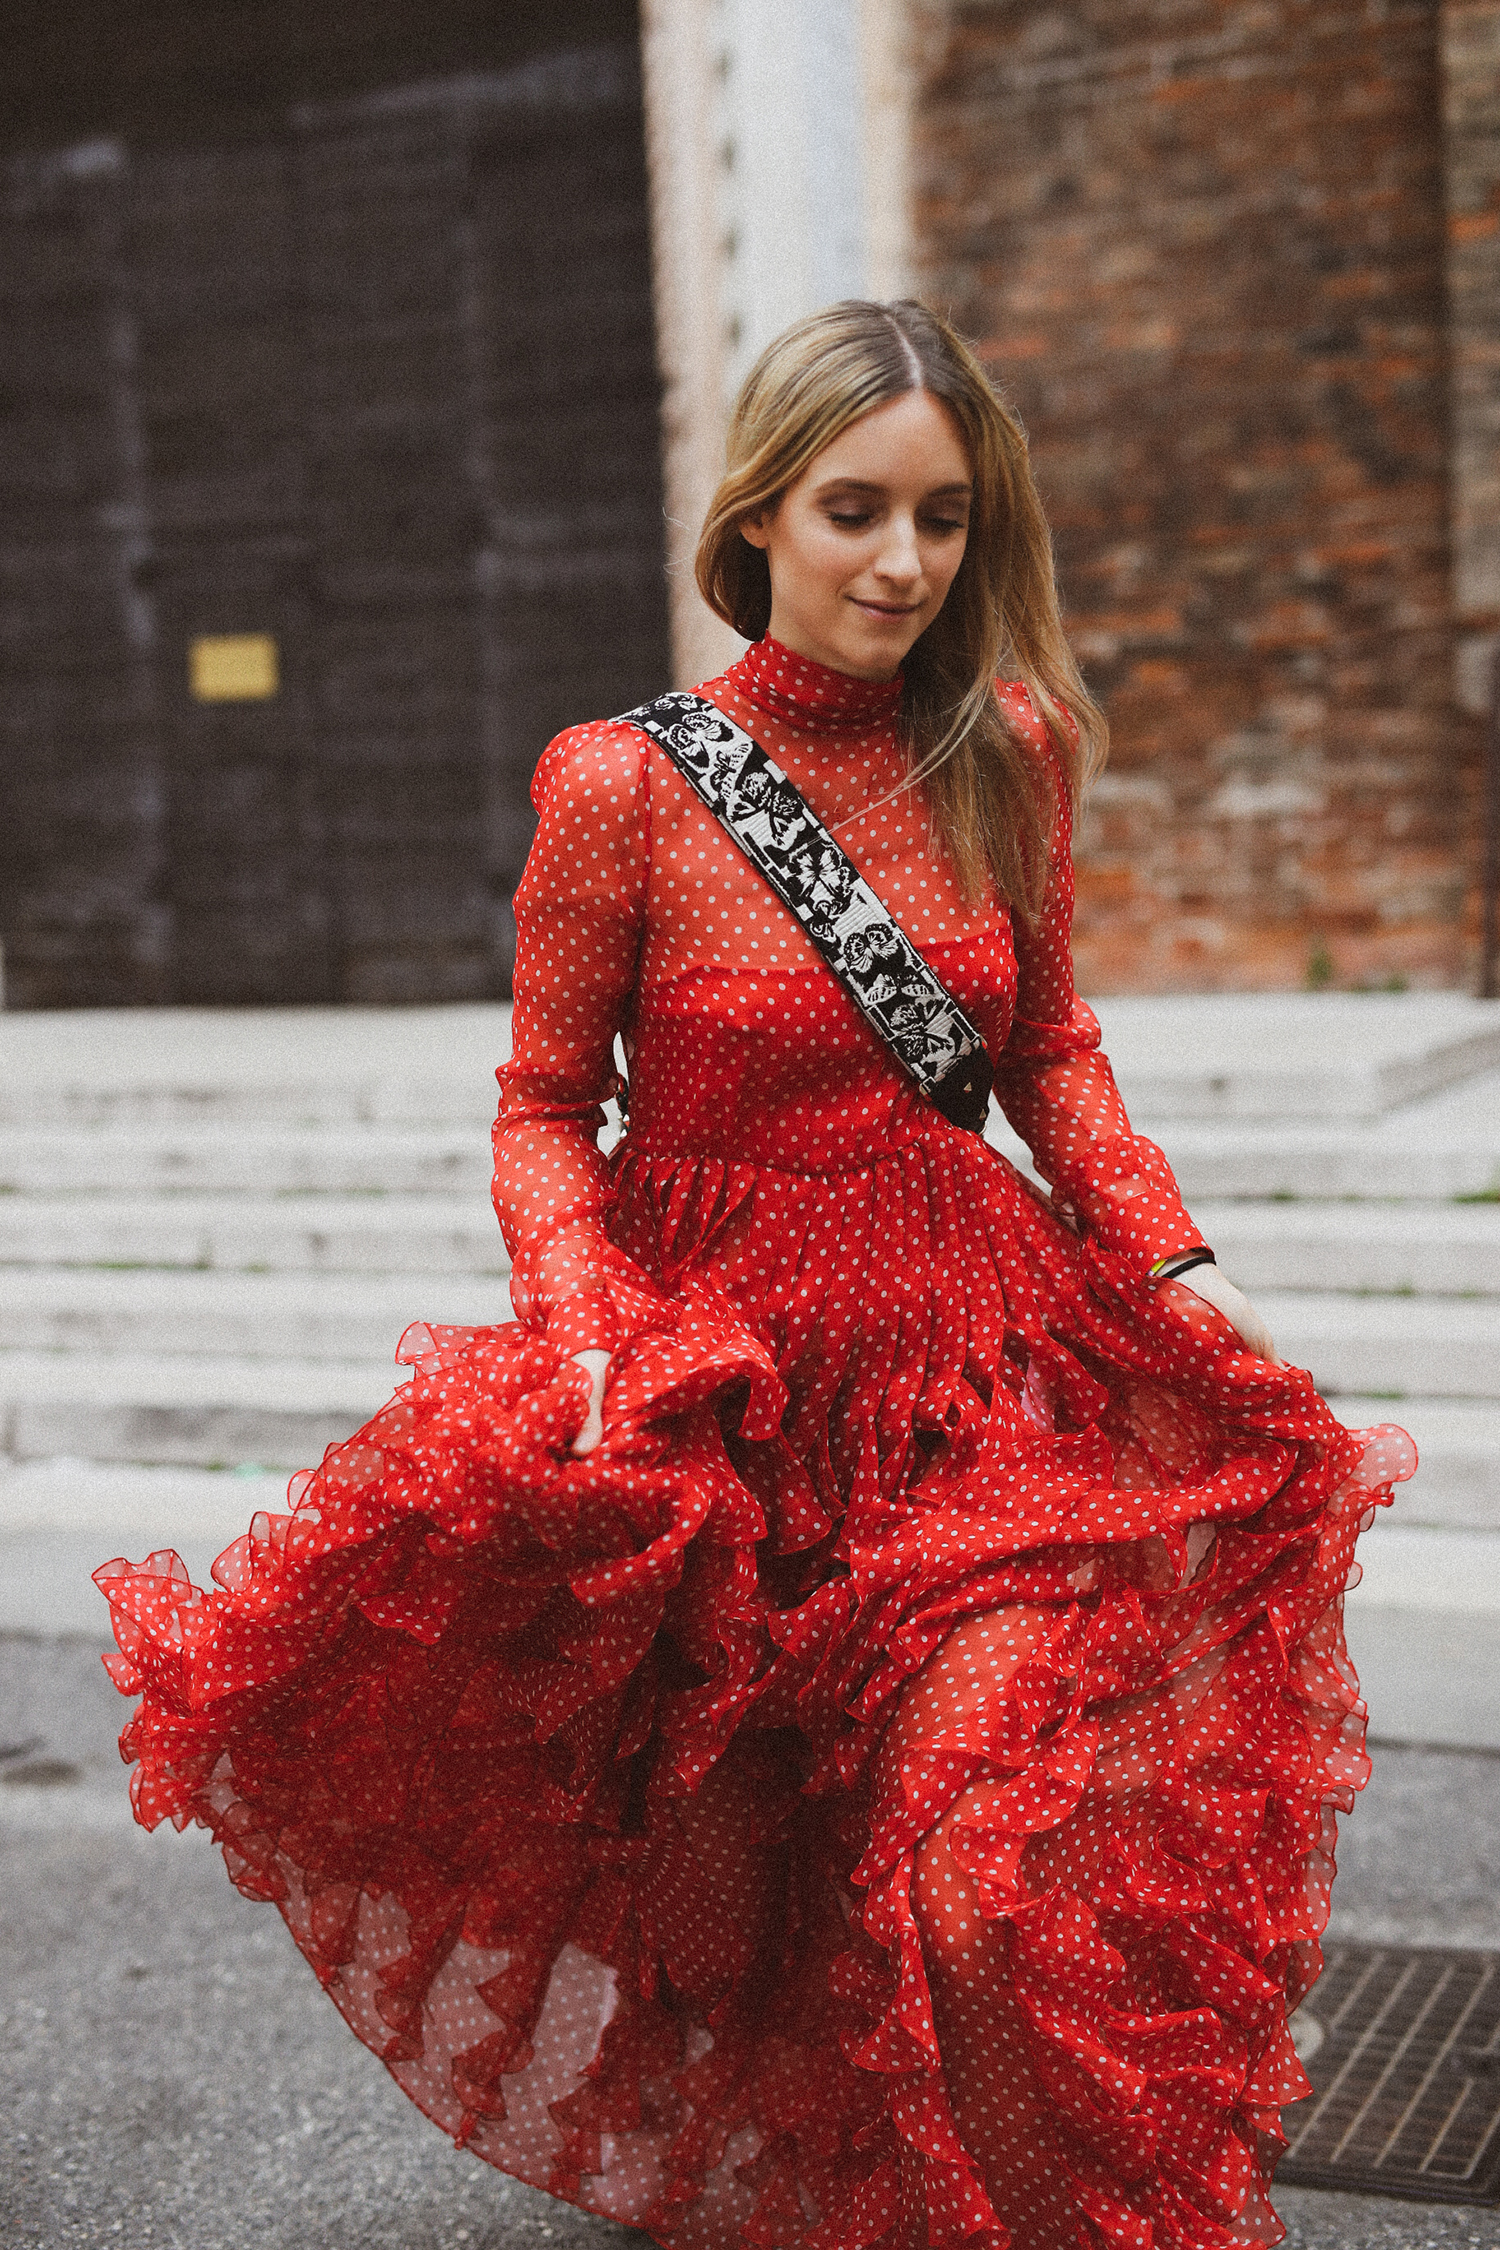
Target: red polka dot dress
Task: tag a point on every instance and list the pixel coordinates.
(882, 1798)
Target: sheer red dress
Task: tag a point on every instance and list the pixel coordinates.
(885, 1795)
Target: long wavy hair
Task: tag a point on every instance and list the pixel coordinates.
(993, 802)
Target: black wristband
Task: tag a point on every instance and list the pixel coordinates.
(1173, 1269)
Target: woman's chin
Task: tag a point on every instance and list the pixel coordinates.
(865, 644)
(875, 647)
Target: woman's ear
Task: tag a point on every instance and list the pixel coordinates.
(756, 528)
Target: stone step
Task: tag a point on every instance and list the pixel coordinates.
(1431, 1152)
(1457, 1484)
(1429, 1677)
(1389, 1347)
(110, 1067)
(1403, 1566)
(1421, 1248)
(247, 1160)
(1421, 1155)
(1312, 1163)
(1410, 1249)
(1239, 1055)
(345, 1312)
(322, 1234)
(60, 1518)
(207, 1411)
(1423, 1626)
(196, 1410)
(1294, 1054)
(247, 1315)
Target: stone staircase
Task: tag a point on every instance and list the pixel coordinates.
(215, 1226)
(214, 1230)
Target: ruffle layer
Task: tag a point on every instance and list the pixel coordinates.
(478, 1716)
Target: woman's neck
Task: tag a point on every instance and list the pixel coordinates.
(810, 696)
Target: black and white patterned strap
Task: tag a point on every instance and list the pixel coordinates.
(871, 955)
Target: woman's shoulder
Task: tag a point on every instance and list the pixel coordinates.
(1056, 751)
(1015, 697)
(1025, 715)
(600, 762)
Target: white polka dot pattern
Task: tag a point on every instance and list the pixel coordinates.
(883, 1798)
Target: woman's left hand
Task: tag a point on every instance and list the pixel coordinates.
(1216, 1289)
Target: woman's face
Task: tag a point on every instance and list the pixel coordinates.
(864, 546)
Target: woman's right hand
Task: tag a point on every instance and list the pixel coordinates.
(1215, 1288)
(595, 1365)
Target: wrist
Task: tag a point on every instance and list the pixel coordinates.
(583, 1322)
(1181, 1262)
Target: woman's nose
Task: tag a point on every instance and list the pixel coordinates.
(899, 555)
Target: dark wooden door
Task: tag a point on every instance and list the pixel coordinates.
(372, 381)
(567, 355)
(213, 251)
(81, 786)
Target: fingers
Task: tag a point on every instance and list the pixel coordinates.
(1216, 1289)
(590, 1435)
(595, 1365)
(1256, 1337)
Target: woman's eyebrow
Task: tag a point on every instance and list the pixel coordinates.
(963, 487)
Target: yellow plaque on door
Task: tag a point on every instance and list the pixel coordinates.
(233, 667)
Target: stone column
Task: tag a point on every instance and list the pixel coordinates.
(1471, 103)
(776, 134)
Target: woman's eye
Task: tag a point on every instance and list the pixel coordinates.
(847, 522)
(942, 525)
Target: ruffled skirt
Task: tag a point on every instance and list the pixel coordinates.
(574, 1780)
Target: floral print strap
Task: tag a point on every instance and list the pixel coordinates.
(871, 955)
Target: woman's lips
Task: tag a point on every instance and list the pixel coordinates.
(885, 609)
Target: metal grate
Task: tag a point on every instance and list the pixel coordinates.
(1402, 2044)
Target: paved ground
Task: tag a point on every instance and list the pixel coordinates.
(170, 2075)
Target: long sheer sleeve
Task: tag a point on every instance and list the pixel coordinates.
(579, 918)
(1059, 1092)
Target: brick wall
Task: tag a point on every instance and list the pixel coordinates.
(1203, 245)
(1471, 80)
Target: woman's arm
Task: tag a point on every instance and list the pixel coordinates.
(1059, 1093)
(580, 913)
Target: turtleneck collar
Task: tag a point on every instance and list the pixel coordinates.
(809, 696)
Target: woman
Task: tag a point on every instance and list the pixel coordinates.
(827, 1730)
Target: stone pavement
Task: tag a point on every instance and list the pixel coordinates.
(171, 2077)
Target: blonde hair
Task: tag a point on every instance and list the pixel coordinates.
(993, 804)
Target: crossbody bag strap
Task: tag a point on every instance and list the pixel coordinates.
(868, 951)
